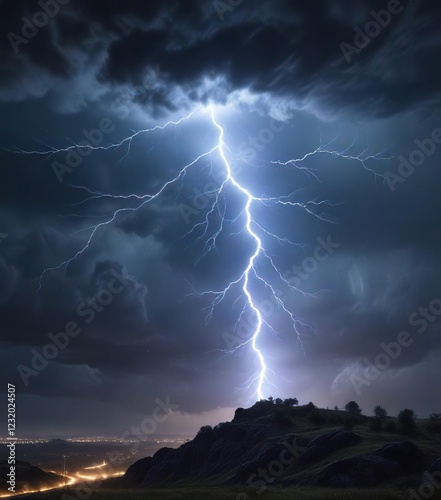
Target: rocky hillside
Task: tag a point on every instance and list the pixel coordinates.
(273, 445)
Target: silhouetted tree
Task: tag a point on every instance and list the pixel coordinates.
(262, 406)
(406, 421)
(291, 402)
(434, 422)
(352, 407)
(336, 408)
(380, 412)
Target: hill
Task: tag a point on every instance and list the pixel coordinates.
(277, 449)
(275, 445)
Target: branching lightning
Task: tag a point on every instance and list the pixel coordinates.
(254, 230)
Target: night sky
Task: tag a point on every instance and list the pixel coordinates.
(284, 79)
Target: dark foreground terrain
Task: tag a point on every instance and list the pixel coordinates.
(213, 493)
(276, 450)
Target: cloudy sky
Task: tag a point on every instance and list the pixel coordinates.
(349, 232)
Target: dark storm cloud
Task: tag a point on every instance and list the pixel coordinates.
(288, 50)
(29, 317)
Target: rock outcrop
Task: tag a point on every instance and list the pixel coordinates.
(371, 469)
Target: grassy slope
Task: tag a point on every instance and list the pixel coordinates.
(428, 442)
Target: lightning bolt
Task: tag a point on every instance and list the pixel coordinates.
(252, 227)
(255, 231)
(250, 269)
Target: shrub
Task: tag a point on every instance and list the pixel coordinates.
(239, 413)
(291, 402)
(406, 421)
(434, 423)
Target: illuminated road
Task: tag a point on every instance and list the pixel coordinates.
(69, 481)
(72, 479)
